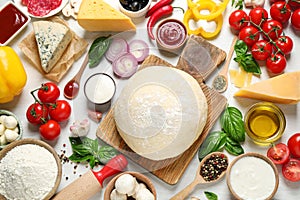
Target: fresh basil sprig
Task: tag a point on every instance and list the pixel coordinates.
(229, 138)
(97, 49)
(245, 59)
(86, 149)
(210, 195)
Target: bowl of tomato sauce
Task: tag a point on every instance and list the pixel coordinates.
(12, 22)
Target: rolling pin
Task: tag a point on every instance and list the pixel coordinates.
(91, 182)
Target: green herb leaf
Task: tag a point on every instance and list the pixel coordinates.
(214, 142)
(245, 59)
(233, 147)
(211, 195)
(233, 124)
(97, 49)
(88, 150)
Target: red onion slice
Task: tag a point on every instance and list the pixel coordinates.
(117, 47)
(125, 65)
(139, 49)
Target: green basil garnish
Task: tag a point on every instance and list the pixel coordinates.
(211, 195)
(233, 147)
(97, 50)
(86, 149)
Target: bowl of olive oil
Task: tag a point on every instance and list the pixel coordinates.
(264, 123)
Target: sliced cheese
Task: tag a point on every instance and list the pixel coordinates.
(96, 15)
(240, 78)
(283, 89)
(52, 40)
(160, 112)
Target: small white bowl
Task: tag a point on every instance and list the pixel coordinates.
(11, 11)
(135, 14)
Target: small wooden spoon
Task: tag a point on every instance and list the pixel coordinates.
(71, 89)
(198, 179)
(220, 82)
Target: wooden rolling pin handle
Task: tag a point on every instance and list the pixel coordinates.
(114, 166)
(91, 182)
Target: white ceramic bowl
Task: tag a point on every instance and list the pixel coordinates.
(135, 14)
(13, 11)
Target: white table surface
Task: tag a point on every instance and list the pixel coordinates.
(286, 191)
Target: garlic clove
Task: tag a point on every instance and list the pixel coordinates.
(194, 198)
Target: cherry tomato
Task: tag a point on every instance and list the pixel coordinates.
(60, 110)
(285, 44)
(276, 63)
(261, 50)
(258, 15)
(295, 19)
(295, 4)
(36, 113)
(238, 19)
(291, 170)
(294, 145)
(279, 153)
(249, 35)
(50, 130)
(273, 28)
(273, 1)
(281, 11)
(48, 93)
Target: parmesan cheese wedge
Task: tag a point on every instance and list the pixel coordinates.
(283, 89)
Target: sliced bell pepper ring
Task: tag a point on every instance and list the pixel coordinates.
(210, 35)
(212, 15)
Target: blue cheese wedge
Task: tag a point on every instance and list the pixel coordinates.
(52, 40)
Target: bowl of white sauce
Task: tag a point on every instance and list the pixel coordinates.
(252, 176)
(99, 90)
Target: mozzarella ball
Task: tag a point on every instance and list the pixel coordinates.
(3, 140)
(2, 129)
(10, 135)
(10, 122)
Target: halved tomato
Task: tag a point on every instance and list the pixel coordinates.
(279, 153)
(291, 170)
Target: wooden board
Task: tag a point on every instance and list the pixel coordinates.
(170, 170)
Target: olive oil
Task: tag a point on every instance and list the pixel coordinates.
(264, 123)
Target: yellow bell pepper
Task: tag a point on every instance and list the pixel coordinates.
(212, 15)
(12, 74)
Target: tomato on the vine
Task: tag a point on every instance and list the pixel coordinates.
(279, 153)
(48, 92)
(36, 113)
(281, 11)
(249, 35)
(276, 63)
(294, 145)
(295, 19)
(285, 44)
(258, 15)
(238, 19)
(60, 110)
(261, 50)
(273, 28)
(291, 170)
(50, 130)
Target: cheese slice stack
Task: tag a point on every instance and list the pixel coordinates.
(52, 40)
(160, 112)
(283, 89)
(96, 15)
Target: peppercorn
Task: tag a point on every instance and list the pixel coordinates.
(213, 167)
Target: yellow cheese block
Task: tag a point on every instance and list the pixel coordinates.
(96, 15)
(283, 89)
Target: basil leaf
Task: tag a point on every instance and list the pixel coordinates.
(233, 147)
(97, 49)
(105, 153)
(210, 195)
(78, 158)
(233, 124)
(214, 142)
(240, 48)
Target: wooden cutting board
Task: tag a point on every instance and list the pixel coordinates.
(170, 170)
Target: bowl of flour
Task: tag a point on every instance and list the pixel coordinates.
(29, 169)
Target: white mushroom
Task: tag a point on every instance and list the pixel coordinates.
(126, 184)
(144, 194)
(2, 129)
(10, 122)
(3, 140)
(68, 11)
(10, 135)
(115, 195)
(137, 188)
(76, 5)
